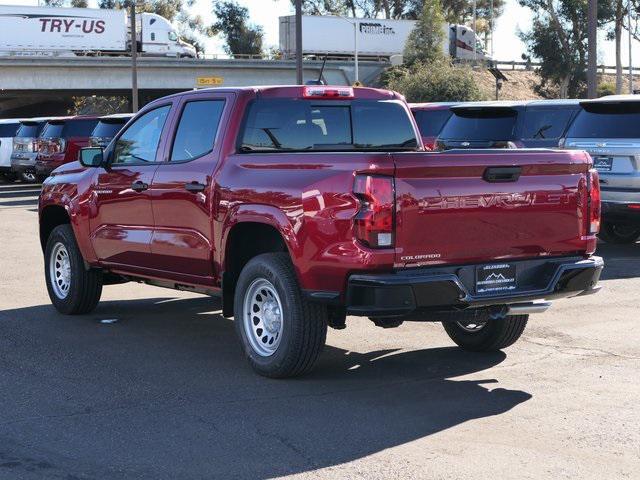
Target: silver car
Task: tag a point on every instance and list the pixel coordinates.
(609, 129)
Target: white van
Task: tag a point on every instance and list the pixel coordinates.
(8, 129)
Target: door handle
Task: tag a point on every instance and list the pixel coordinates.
(139, 186)
(502, 174)
(195, 187)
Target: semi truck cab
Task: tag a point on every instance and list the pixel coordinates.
(158, 37)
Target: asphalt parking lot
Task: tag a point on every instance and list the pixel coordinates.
(163, 393)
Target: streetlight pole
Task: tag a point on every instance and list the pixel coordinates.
(355, 50)
(475, 30)
(299, 78)
(134, 58)
(630, 42)
(592, 33)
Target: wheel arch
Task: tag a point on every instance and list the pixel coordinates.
(52, 216)
(248, 236)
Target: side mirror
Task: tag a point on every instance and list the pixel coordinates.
(91, 157)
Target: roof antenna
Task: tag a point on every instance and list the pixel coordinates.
(319, 81)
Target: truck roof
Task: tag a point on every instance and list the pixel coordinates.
(298, 91)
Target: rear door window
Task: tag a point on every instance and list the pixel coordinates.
(8, 130)
(305, 125)
(545, 123)
(197, 129)
(607, 121)
(430, 122)
(481, 124)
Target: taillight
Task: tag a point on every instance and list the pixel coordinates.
(594, 202)
(51, 146)
(373, 224)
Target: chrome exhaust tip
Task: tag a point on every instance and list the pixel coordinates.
(527, 308)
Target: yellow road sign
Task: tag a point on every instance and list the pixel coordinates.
(209, 81)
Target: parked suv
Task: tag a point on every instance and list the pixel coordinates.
(531, 124)
(430, 118)
(300, 205)
(25, 148)
(8, 129)
(61, 140)
(608, 128)
(107, 127)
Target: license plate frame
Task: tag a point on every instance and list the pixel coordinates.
(496, 278)
(603, 163)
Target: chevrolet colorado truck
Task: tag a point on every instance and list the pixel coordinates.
(301, 205)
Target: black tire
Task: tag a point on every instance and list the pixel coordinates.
(9, 177)
(619, 233)
(84, 286)
(494, 335)
(304, 324)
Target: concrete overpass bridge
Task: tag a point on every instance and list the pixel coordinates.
(31, 86)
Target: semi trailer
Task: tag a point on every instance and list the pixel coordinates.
(50, 31)
(371, 37)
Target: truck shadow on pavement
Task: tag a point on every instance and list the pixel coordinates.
(165, 393)
(620, 261)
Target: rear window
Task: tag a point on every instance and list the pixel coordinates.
(545, 123)
(69, 128)
(30, 129)
(607, 121)
(430, 122)
(481, 124)
(8, 129)
(306, 125)
(108, 128)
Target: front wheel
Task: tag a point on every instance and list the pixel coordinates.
(618, 233)
(486, 335)
(72, 288)
(281, 332)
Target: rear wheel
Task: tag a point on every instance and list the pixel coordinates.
(72, 288)
(281, 332)
(28, 176)
(619, 233)
(486, 335)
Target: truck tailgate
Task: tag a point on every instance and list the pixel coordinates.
(473, 207)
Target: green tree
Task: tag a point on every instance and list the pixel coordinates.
(438, 81)
(558, 38)
(242, 38)
(426, 39)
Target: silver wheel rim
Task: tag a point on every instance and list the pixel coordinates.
(29, 176)
(471, 327)
(263, 320)
(60, 271)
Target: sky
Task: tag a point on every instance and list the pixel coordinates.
(507, 44)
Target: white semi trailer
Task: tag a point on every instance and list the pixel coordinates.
(322, 35)
(85, 31)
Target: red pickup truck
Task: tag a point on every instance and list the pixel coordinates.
(301, 205)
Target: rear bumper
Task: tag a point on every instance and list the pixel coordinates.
(44, 166)
(616, 212)
(441, 289)
(24, 163)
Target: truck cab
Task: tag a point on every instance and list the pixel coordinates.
(159, 38)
